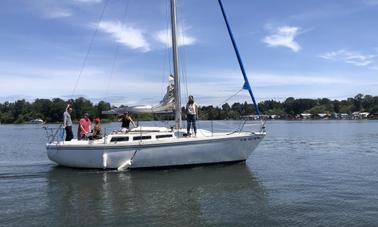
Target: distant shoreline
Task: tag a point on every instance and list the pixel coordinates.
(50, 111)
(269, 120)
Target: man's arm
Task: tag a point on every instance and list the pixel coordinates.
(132, 122)
(64, 120)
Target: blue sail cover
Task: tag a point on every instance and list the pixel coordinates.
(246, 85)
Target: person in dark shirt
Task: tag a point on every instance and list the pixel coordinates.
(97, 131)
(126, 119)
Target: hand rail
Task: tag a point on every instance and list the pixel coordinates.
(51, 134)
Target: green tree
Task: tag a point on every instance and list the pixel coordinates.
(102, 106)
(81, 106)
(357, 102)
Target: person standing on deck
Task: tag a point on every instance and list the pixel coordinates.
(191, 115)
(84, 126)
(67, 123)
(126, 120)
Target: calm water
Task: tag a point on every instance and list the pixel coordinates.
(309, 173)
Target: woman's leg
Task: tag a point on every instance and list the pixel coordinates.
(194, 124)
(188, 124)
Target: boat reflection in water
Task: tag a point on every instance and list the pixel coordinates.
(220, 194)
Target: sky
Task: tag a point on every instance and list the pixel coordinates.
(119, 50)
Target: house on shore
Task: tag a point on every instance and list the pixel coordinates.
(323, 115)
(306, 116)
(360, 115)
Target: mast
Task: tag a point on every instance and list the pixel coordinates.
(175, 66)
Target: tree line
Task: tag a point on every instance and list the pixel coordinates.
(48, 110)
(51, 111)
(291, 107)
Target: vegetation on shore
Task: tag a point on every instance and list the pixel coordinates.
(22, 111)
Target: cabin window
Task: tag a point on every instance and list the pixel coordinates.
(141, 137)
(163, 136)
(119, 139)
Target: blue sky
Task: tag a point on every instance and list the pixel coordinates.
(297, 48)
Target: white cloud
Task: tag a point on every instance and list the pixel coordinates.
(52, 82)
(349, 57)
(58, 13)
(50, 9)
(53, 9)
(284, 36)
(267, 85)
(165, 37)
(125, 34)
(234, 79)
(268, 79)
(126, 88)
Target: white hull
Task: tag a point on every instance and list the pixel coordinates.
(155, 153)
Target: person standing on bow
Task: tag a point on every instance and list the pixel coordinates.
(84, 126)
(126, 120)
(191, 115)
(67, 123)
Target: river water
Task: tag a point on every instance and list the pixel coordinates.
(304, 173)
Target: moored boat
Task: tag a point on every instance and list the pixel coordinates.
(145, 147)
(37, 121)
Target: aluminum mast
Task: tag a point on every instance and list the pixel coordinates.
(175, 66)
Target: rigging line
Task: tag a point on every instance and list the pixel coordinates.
(225, 101)
(167, 50)
(229, 98)
(182, 55)
(168, 35)
(166, 65)
(232, 96)
(89, 48)
(242, 126)
(183, 62)
(116, 53)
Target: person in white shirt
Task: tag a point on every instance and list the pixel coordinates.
(67, 123)
(191, 115)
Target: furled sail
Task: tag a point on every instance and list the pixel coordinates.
(166, 105)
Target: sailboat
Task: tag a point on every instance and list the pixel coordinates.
(149, 147)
